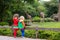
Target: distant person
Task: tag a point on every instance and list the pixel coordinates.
(15, 24)
(21, 25)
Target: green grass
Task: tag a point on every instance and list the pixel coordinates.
(50, 24)
(47, 24)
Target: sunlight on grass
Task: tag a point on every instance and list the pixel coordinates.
(48, 24)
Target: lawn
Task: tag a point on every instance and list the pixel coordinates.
(46, 24)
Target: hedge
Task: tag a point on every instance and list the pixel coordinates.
(4, 23)
(50, 35)
(37, 19)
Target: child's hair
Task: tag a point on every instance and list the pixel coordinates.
(15, 15)
(21, 17)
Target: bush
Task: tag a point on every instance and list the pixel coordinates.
(43, 35)
(50, 35)
(49, 20)
(55, 36)
(30, 33)
(3, 23)
(7, 32)
(36, 19)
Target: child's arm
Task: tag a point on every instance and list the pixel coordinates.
(24, 24)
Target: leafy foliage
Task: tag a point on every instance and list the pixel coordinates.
(49, 35)
(33, 7)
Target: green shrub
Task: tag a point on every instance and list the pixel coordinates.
(30, 33)
(49, 20)
(3, 23)
(43, 35)
(55, 36)
(7, 32)
(36, 19)
(50, 35)
(19, 33)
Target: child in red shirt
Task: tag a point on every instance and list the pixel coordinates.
(15, 24)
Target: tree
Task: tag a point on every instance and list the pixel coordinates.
(9, 7)
(51, 7)
(59, 12)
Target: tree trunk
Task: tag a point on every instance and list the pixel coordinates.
(59, 12)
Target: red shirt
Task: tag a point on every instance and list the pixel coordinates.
(15, 21)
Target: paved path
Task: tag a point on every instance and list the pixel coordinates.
(18, 38)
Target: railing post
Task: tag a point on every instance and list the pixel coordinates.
(36, 32)
(12, 29)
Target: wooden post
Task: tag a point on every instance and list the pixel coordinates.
(36, 32)
(12, 29)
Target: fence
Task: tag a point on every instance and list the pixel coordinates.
(38, 28)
